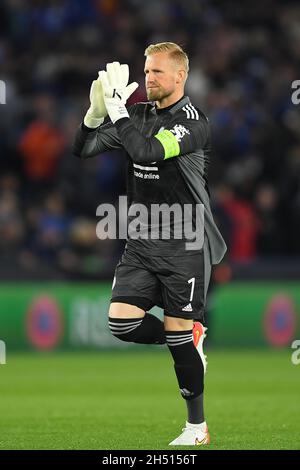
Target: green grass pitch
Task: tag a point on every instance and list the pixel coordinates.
(130, 400)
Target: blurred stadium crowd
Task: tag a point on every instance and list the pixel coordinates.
(243, 60)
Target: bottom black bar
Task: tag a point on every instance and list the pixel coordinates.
(138, 458)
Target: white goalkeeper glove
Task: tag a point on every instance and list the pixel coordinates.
(116, 90)
(97, 111)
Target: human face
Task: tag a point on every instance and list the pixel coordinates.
(163, 79)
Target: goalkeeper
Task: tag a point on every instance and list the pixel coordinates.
(167, 143)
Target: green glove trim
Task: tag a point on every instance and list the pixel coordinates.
(169, 143)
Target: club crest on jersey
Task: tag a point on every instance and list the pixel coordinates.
(179, 131)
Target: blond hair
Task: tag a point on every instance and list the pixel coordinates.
(174, 50)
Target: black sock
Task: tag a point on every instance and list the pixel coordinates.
(146, 330)
(195, 410)
(189, 371)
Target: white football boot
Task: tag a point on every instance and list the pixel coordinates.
(192, 435)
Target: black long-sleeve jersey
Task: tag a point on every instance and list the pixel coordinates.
(167, 159)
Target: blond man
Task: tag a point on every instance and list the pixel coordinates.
(167, 144)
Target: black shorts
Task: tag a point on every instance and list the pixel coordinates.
(176, 284)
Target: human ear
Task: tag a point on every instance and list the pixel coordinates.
(181, 76)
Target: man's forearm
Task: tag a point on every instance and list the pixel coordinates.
(85, 143)
(91, 142)
(141, 149)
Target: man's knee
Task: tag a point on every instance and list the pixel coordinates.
(124, 319)
(177, 324)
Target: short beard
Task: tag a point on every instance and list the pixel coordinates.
(156, 94)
